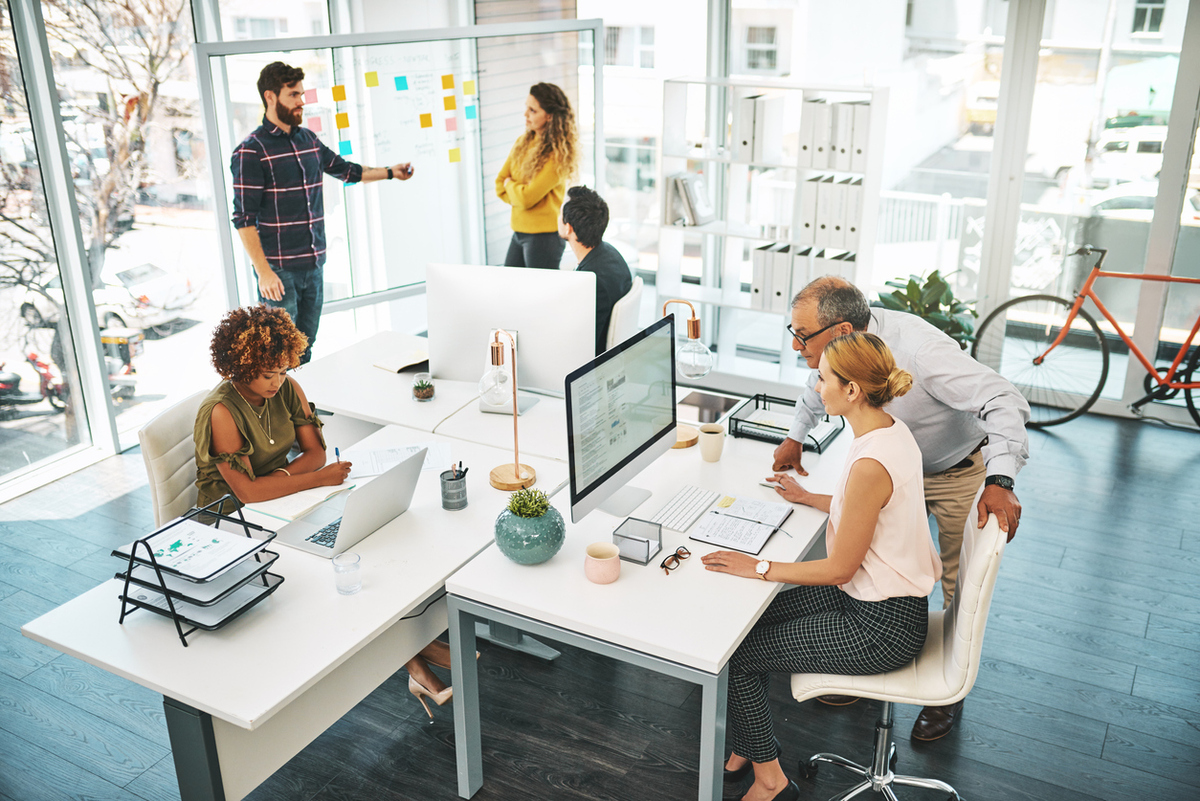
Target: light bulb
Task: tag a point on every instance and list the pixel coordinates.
(693, 359)
(493, 387)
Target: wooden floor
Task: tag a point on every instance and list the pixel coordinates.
(1090, 686)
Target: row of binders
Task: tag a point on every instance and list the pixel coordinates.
(758, 129)
(834, 136)
(779, 271)
(829, 213)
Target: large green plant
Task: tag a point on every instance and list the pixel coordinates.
(934, 302)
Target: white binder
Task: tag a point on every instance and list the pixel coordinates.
(854, 200)
(861, 137)
(804, 228)
(800, 274)
(823, 221)
(838, 213)
(768, 129)
(744, 128)
(760, 276)
(822, 133)
(842, 141)
(805, 144)
(781, 278)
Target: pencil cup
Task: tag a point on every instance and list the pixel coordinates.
(346, 573)
(712, 440)
(454, 491)
(602, 564)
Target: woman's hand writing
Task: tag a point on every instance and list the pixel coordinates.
(333, 474)
(739, 564)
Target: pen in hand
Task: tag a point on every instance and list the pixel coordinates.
(337, 454)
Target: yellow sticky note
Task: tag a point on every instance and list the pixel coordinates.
(447, 81)
(343, 120)
(455, 155)
(726, 502)
(448, 101)
(372, 78)
(339, 93)
(426, 120)
(468, 87)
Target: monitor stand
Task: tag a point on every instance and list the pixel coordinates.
(524, 404)
(622, 502)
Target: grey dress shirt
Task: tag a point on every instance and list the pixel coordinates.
(954, 403)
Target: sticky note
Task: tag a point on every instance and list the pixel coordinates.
(339, 93)
(372, 78)
(451, 123)
(449, 103)
(401, 83)
(447, 81)
(468, 87)
(314, 124)
(426, 120)
(343, 120)
(455, 155)
(470, 110)
(310, 95)
(344, 147)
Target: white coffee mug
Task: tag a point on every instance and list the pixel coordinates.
(712, 439)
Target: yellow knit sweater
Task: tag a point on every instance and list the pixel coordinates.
(535, 205)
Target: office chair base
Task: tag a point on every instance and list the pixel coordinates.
(878, 778)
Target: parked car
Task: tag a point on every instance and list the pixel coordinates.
(145, 296)
(1135, 201)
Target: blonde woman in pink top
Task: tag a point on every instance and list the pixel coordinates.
(862, 609)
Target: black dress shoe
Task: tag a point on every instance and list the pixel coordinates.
(837, 700)
(734, 776)
(789, 793)
(935, 722)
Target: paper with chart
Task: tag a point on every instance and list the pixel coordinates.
(376, 461)
(195, 550)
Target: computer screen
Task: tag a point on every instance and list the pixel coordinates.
(620, 418)
(552, 312)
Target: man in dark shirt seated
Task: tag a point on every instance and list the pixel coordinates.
(582, 222)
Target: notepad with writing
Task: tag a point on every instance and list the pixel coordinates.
(298, 504)
(741, 524)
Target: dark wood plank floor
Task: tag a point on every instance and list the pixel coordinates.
(1089, 688)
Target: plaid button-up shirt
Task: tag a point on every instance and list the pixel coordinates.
(278, 188)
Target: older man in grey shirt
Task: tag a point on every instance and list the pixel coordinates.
(968, 421)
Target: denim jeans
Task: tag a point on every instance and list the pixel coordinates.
(303, 296)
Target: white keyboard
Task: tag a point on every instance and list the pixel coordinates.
(682, 511)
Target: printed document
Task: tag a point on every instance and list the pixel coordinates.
(377, 461)
(195, 550)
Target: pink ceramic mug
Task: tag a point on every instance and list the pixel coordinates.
(602, 564)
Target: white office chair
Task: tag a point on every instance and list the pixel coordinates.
(170, 454)
(624, 320)
(942, 674)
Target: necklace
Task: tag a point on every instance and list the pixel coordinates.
(266, 410)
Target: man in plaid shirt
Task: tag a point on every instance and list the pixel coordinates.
(278, 199)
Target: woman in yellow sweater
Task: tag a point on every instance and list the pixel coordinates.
(534, 177)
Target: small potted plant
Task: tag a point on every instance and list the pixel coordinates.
(422, 387)
(530, 530)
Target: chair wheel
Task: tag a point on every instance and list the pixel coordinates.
(806, 769)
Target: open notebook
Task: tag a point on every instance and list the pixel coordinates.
(740, 524)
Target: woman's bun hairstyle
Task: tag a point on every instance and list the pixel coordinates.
(864, 359)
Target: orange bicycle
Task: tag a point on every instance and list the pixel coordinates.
(1055, 354)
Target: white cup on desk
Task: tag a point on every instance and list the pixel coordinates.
(712, 440)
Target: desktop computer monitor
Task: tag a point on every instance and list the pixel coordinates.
(620, 418)
(552, 312)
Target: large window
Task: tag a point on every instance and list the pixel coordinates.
(629, 46)
(1148, 16)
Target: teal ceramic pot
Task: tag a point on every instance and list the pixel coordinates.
(530, 540)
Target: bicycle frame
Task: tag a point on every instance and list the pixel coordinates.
(1086, 292)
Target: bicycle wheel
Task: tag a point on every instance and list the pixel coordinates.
(1068, 381)
(1192, 396)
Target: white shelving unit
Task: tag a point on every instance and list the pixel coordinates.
(757, 202)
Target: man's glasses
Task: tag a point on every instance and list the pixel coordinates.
(675, 560)
(803, 340)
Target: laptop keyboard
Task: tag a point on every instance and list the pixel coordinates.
(682, 510)
(327, 536)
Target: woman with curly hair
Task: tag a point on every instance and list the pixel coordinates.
(534, 177)
(247, 424)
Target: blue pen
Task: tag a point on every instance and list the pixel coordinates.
(337, 454)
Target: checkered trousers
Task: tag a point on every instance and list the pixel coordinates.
(816, 630)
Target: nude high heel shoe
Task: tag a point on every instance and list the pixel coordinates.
(418, 690)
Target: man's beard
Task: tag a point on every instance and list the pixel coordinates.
(293, 116)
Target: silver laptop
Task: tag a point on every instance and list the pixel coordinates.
(348, 518)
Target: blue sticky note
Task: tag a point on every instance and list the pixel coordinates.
(344, 148)
(401, 83)
(470, 112)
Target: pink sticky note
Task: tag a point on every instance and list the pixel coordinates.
(310, 95)
(451, 123)
(314, 124)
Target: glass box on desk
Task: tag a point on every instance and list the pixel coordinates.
(638, 540)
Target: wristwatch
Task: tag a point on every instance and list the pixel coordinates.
(390, 176)
(1003, 482)
(761, 569)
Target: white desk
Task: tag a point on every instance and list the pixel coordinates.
(686, 625)
(243, 700)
